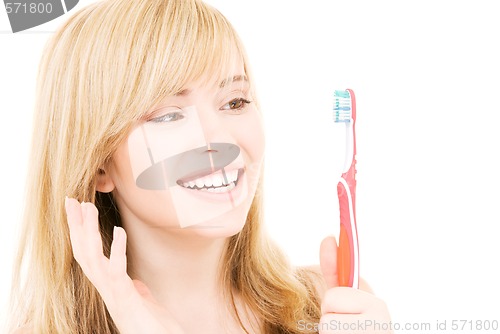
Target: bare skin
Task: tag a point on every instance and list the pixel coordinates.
(134, 308)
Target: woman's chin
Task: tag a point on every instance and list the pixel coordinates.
(223, 226)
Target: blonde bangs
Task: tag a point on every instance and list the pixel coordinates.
(204, 48)
(150, 58)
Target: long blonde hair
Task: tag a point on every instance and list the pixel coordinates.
(107, 65)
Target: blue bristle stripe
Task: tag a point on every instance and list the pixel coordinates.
(342, 117)
(342, 93)
(342, 106)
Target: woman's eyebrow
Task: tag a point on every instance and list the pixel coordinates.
(235, 78)
(225, 82)
(183, 92)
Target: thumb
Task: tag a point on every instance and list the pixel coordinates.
(328, 261)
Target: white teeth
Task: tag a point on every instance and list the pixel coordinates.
(217, 180)
(214, 180)
(232, 175)
(207, 180)
(221, 189)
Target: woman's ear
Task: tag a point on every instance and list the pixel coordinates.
(104, 182)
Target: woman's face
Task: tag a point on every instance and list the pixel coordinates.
(194, 162)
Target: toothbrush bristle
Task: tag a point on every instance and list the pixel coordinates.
(342, 108)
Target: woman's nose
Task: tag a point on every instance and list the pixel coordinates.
(215, 130)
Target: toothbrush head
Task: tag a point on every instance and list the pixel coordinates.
(343, 109)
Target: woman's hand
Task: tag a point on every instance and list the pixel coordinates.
(344, 309)
(129, 302)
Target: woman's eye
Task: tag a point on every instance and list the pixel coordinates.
(170, 117)
(236, 104)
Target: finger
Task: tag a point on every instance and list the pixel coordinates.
(73, 212)
(347, 300)
(75, 224)
(345, 323)
(92, 237)
(328, 261)
(117, 256)
(86, 239)
(90, 218)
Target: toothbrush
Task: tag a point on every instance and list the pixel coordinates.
(348, 251)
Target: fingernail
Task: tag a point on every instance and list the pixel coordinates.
(116, 233)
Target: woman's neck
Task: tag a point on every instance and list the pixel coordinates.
(175, 264)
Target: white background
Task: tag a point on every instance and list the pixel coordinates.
(427, 79)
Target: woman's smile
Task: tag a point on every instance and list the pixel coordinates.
(219, 186)
(220, 181)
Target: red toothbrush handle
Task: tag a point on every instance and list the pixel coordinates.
(345, 252)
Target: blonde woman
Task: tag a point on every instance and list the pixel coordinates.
(144, 202)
